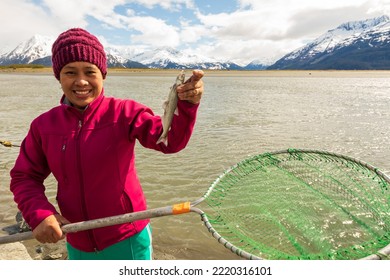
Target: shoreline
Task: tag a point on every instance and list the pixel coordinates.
(33, 250)
(216, 73)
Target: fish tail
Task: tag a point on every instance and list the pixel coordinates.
(162, 139)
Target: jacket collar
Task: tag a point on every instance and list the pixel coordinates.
(88, 110)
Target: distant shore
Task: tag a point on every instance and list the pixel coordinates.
(218, 73)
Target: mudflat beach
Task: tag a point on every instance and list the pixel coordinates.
(219, 73)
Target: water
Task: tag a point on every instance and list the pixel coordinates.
(241, 114)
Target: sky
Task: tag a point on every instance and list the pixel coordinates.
(240, 31)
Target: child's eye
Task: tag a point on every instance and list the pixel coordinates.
(69, 73)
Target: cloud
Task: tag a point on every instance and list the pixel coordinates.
(145, 30)
(278, 20)
(172, 5)
(311, 23)
(153, 32)
(21, 20)
(379, 6)
(288, 6)
(251, 29)
(278, 27)
(72, 13)
(244, 52)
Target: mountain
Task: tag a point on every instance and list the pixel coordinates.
(120, 62)
(27, 52)
(352, 45)
(257, 65)
(168, 58)
(37, 50)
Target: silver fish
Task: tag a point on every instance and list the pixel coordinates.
(170, 108)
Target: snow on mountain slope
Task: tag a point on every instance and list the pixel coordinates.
(357, 34)
(37, 47)
(344, 34)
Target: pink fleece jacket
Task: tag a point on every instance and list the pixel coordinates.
(91, 155)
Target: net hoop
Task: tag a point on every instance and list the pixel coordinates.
(383, 253)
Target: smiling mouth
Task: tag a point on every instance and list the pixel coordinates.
(82, 93)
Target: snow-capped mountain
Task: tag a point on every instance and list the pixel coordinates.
(259, 64)
(352, 45)
(27, 52)
(162, 57)
(171, 58)
(37, 50)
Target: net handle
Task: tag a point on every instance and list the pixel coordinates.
(187, 207)
(176, 209)
(108, 221)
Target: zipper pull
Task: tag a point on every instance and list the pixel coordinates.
(80, 125)
(64, 142)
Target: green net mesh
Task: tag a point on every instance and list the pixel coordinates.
(302, 205)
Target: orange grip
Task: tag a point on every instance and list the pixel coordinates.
(181, 208)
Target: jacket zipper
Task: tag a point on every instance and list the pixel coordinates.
(82, 188)
(80, 125)
(63, 163)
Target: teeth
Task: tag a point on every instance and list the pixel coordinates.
(84, 92)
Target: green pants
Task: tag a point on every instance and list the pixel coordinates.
(137, 247)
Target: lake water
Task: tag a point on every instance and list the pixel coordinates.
(242, 114)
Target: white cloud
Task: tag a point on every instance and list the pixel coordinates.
(20, 20)
(279, 26)
(192, 33)
(379, 6)
(149, 30)
(172, 5)
(263, 19)
(154, 32)
(75, 12)
(286, 6)
(256, 29)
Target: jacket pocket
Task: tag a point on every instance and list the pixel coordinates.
(127, 206)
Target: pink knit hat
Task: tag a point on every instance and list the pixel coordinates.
(77, 44)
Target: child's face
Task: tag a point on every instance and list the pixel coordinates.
(82, 82)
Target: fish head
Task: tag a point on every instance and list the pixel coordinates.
(180, 78)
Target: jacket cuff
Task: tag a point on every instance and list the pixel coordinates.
(39, 216)
(188, 107)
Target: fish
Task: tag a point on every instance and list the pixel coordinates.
(170, 109)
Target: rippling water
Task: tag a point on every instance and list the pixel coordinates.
(240, 115)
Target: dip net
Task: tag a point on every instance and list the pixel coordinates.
(302, 204)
